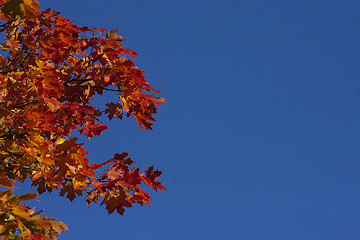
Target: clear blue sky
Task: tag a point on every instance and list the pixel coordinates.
(259, 138)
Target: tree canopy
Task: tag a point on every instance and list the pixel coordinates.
(50, 70)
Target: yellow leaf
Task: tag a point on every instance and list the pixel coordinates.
(21, 226)
(59, 141)
(21, 213)
(33, 4)
(58, 226)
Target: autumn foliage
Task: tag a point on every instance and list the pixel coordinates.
(50, 69)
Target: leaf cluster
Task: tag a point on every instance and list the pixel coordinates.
(49, 73)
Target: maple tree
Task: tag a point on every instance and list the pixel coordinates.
(49, 72)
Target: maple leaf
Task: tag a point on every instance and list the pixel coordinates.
(92, 128)
(92, 196)
(112, 35)
(70, 192)
(24, 197)
(150, 178)
(114, 109)
(23, 8)
(116, 200)
(21, 212)
(113, 174)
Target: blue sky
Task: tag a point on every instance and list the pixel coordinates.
(259, 137)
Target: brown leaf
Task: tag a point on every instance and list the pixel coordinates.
(114, 109)
(113, 35)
